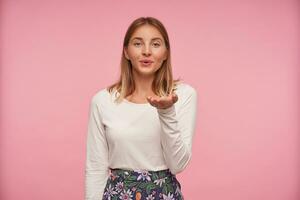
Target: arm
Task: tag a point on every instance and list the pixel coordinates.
(178, 131)
(96, 171)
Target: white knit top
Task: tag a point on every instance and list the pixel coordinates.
(137, 136)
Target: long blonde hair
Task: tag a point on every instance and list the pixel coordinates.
(163, 83)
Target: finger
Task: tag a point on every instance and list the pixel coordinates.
(175, 98)
(155, 101)
(152, 97)
(150, 101)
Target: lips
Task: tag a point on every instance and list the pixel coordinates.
(146, 61)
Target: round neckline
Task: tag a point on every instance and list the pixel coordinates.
(140, 104)
(132, 103)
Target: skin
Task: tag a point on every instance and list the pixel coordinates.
(150, 46)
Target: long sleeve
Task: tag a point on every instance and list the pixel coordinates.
(178, 131)
(96, 171)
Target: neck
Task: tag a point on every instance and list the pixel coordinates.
(143, 85)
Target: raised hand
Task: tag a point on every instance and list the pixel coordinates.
(164, 101)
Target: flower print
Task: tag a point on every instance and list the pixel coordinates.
(160, 181)
(177, 191)
(169, 197)
(160, 195)
(143, 174)
(109, 192)
(126, 195)
(119, 186)
(113, 176)
(150, 197)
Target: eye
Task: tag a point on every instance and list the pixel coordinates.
(136, 43)
(156, 44)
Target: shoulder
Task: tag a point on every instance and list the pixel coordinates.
(187, 95)
(184, 89)
(101, 97)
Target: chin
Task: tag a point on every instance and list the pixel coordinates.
(145, 71)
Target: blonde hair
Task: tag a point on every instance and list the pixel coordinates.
(163, 83)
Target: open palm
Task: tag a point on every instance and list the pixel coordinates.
(164, 101)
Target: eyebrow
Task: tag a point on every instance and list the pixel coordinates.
(139, 38)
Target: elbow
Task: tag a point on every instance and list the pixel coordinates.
(181, 164)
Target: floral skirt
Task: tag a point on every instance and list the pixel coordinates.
(124, 184)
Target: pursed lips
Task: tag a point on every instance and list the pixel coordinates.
(146, 61)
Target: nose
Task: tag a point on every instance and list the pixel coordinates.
(146, 50)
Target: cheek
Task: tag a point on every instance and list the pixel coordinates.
(160, 55)
(133, 53)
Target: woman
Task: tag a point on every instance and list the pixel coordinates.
(141, 128)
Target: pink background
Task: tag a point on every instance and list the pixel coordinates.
(241, 56)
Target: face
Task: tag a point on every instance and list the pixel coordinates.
(146, 50)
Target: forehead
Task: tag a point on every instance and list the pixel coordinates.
(146, 32)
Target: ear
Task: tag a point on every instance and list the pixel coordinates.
(125, 53)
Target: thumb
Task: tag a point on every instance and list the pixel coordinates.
(174, 97)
